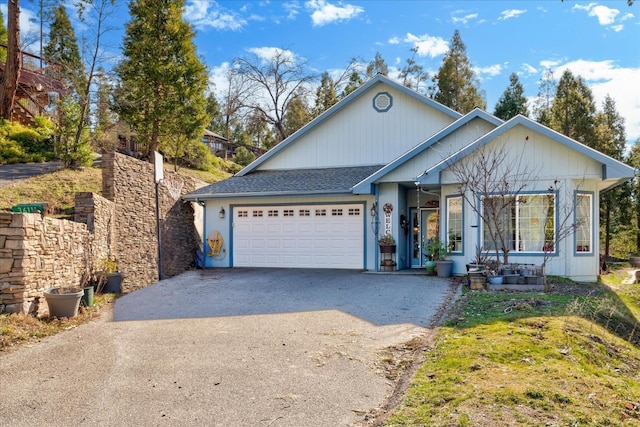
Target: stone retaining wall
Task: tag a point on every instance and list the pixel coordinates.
(39, 252)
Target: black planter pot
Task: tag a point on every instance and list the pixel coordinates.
(114, 283)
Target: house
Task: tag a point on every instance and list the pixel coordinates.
(222, 147)
(382, 161)
(38, 91)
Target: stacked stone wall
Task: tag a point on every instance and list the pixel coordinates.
(130, 184)
(37, 253)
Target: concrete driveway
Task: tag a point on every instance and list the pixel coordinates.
(238, 347)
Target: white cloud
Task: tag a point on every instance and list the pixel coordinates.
(427, 45)
(604, 77)
(463, 19)
(511, 13)
(292, 8)
(267, 53)
(29, 27)
(606, 16)
(491, 70)
(326, 13)
(529, 69)
(394, 40)
(549, 64)
(203, 13)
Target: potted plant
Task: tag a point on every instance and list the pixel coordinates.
(109, 278)
(478, 262)
(439, 252)
(63, 301)
(387, 244)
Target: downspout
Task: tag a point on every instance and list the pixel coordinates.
(204, 231)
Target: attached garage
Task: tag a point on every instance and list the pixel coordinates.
(299, 236)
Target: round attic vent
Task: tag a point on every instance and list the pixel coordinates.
(382, 102)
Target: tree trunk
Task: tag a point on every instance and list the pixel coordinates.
(607, 225)
(13, 66)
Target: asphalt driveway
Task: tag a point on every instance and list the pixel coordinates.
(238, 347)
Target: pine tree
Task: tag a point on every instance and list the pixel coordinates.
(634, 160)
(325, 95)
(216, 123)
(13, 65)
(297, 114)
(355, 81)
(455, 83)
(377, 66)
(512, 102)
(4, 39)
(610, 139)
(62, 51)
(544, 100)
(573, 111)
(413, 75)
(162, 81)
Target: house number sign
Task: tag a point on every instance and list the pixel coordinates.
(387, 208)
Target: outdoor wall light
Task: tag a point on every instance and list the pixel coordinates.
(373, 210)
(221, 213)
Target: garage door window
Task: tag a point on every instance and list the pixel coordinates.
(321, 212)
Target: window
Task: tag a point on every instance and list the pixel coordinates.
(287, 212)
(354, 211)
(523, 223)
(454, 224)
(336, 212)
(257, 214)
(304, 212)
(243, 214)
(584, 204)
(321, 212)
(273, 212)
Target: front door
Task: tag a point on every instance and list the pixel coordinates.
(424, 223)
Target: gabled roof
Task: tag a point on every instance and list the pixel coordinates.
(286, 183)
(612, 169)
(378, 79)
(364, 186)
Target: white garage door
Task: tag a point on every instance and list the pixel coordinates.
(309, 236)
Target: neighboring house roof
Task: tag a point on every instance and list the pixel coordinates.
(378, 79)
(613, 171)
(286, 182)
(365, 185)
(211, 134)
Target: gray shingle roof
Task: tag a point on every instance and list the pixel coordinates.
(294, 181)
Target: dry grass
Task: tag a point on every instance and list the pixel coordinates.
(23, 329)
(58, 189)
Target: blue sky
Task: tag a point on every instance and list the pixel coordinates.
(599, 41)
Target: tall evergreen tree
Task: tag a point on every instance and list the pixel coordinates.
(162, 81)
(62, 51)
(634, 160)
(4, 38)
(216, 123)
(13, 66)
(377, 66)
(544, 100)
(297, 114)
(413, 74)
(355, 81)
(573, 111)
(325, 95)
(455, 83)
(512, 102)
(610, 139)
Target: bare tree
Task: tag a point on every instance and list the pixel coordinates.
(13, 66)
(273, 81)
(490, 183)
(98, 11)
(493, 180)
